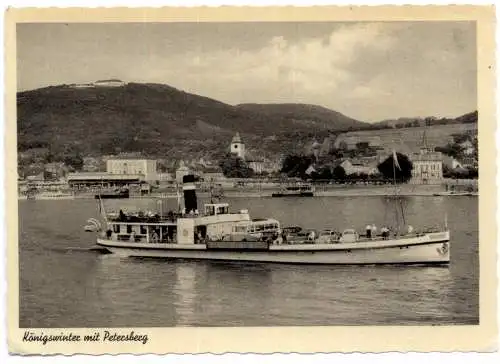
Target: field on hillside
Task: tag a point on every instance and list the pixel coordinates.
(408, 140)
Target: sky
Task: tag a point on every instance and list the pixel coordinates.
(367, 71)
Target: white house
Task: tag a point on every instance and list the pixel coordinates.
(358, 168)
(427, 167)
(144, 167)
(467, 147)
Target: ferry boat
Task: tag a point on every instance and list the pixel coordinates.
(118, 193)
(297, 190)
(218, 234)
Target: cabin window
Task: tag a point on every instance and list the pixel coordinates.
(129, 229)
(144, 230)
(240, 229)
(116, 229)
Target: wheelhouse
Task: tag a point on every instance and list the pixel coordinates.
(212, 209)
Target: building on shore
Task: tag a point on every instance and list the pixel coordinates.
(166, 177)
(181, 171)
(257, 163)
(147, 168)
(467, 147)
(469, 162)
(120, 172)
(212, 174)
(357, 167)
(427, 167)
(83, 180)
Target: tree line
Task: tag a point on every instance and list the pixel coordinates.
(306, 167)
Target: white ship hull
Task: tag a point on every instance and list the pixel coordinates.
(431, 248)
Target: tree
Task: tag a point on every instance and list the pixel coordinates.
(75, 161)
(324, 173)
(296, 165)
(339, 173)
(234, 167)
(452, 150)
(389, 170)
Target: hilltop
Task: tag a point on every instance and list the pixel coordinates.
(159, 120)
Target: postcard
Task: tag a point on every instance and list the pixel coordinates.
(234, 179)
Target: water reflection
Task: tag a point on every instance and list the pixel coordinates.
(185, 291)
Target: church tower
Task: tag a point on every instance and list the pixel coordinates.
(237, 147)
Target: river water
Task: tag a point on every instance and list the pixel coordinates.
(63, 284)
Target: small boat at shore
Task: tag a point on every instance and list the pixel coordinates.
(47, 195)
(454, 193)
(119, 193)
(218, 234)
(295, 190)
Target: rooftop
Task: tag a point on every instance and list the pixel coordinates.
(236, 138)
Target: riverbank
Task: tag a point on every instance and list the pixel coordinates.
(321, 191)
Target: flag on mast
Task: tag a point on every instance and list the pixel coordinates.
(395, 159)
(102, 209)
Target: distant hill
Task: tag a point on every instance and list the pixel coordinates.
(305, 115)
(159, 120)
(406, 122)
(110, 116)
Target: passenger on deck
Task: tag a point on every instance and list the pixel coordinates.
(312, 235)
(170, 215)
(283, 237)
(374, 231)
(385, 232)
(154, 237)
(369, 231)
(410, 229)
(121, 216)
(132, 237)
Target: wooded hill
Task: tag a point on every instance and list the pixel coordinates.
(161, 121)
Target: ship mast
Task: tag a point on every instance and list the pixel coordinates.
(395, 189)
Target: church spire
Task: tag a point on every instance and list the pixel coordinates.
(237, 147)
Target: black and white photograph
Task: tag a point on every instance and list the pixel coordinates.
(248, 174)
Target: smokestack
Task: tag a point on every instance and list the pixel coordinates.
(189, 189)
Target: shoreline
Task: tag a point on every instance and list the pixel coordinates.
(404, 191)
